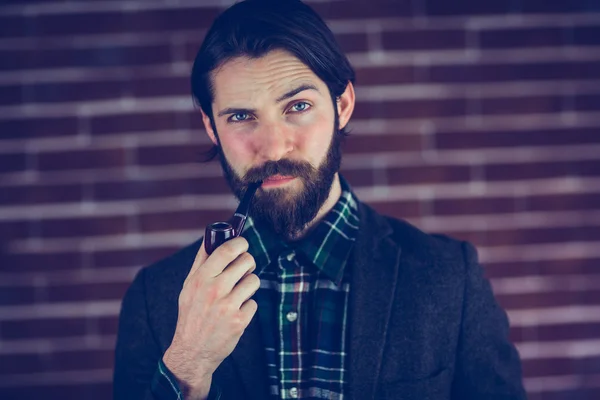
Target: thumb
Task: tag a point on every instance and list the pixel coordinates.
(200, 258)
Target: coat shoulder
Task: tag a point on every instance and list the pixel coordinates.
(413, 239)
(165, 277)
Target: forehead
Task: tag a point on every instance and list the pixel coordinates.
(252, 79)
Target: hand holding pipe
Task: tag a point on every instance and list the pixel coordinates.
(219, 232)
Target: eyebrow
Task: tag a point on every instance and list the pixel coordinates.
(281, 98)
(294, 92)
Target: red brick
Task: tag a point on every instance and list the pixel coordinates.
(507, 72)
(539, 170)
(523, 236)
(174, 154)
(411, 108)
(44, 328)
(562, 366)
(353, 9)
(581, 265)
(473, 205)
(398, 209)
(548, 333)
(82, 227)
(386, 75)
(192, 46)
(164, 188)
(182, 220)
(428, 174)
(352, 42)
(11, 94)
(160, 86)
(155, 20)
(14, 295)
(27, 128)
(53, 92)
(12, 162)
(361, 177)
(29, 194)
(563, 202)
(88, 391)
(60, 361)
(39, 262)
(139, 122)
(86, 291)
(587, 392)
(559, 7)
(468, 7)
(522, 105)
(587, 102)
(523, 37)
(356, 144)
(421, 39)
(81, 159)
(107, 326)
(16, 25)
(516, 138)
(112, 56)
(555, 298)
(10, 230)
(131, 257)
(586, 35)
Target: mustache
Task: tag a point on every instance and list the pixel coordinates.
(281, 167)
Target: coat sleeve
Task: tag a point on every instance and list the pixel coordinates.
(487, 363)
(139, 372)
(137, 353)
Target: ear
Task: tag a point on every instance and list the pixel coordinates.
(345, 105)
(209, 129)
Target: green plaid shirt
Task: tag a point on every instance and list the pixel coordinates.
(303, 303)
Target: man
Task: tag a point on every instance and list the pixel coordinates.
(322, 298)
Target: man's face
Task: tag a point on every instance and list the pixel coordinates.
(276, 122)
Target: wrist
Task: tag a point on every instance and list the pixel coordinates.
(194, 380)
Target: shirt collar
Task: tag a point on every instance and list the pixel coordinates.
(327, 247)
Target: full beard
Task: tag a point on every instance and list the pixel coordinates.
(285, 211)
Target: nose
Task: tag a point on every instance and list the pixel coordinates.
(274, 141)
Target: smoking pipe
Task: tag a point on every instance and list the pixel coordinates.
(219, 232)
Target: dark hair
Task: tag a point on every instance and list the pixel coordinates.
(253, 28)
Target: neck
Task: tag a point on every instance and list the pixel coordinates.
(334, 195)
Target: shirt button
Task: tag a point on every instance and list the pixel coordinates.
(294, 393)
(290, 257)
(292, 316)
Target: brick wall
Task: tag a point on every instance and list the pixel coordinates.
(474, 118)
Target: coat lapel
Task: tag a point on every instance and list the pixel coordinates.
(373, 283)
(249, 360)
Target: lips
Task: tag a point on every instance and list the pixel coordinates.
(277, 180)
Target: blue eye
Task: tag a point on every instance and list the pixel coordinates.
(301, 106)
(239, 117)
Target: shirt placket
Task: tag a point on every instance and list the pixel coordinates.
(290, 325)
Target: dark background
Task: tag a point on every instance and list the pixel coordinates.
(477, 119)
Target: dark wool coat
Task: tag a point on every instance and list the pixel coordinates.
(423, 324)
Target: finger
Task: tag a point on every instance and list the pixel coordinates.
(200, 258)
(244, 289)
(224, 255)
(241, 267)
(248, 310)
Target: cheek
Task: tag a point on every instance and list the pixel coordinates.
(237, 152)
(314, 138)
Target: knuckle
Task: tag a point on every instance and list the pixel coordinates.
(214, 292)
(247, 258)
(253, 305)
(253, 280)
(242, 242)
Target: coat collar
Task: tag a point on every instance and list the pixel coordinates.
(374, 262)
(373, 283)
